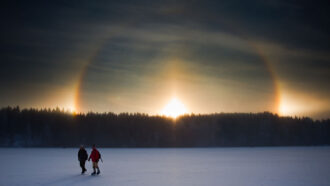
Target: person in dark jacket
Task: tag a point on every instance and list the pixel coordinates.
(95, 156)
(82, 157)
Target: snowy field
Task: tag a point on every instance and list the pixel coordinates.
(278, 166)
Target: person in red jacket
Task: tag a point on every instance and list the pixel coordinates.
(95, 156)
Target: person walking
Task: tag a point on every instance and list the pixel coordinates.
(82, 157)
(95, 156)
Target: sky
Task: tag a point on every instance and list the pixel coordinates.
(137, 56)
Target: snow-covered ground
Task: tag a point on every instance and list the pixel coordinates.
(278, 166)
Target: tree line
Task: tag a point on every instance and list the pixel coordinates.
(57, 128)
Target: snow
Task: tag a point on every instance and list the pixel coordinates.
(269, 166)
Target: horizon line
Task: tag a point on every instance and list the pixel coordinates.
(69, 111)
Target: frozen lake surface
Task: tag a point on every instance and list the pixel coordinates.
(269, 166)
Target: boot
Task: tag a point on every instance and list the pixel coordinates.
(98, 171)
(94, 172)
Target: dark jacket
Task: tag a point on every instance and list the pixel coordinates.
(82, 155)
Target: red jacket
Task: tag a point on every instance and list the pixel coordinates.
(95, 155)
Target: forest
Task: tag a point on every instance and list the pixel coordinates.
(58, 128)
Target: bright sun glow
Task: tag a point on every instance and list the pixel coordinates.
(295, 104)
(71, 109)
(174, 109)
